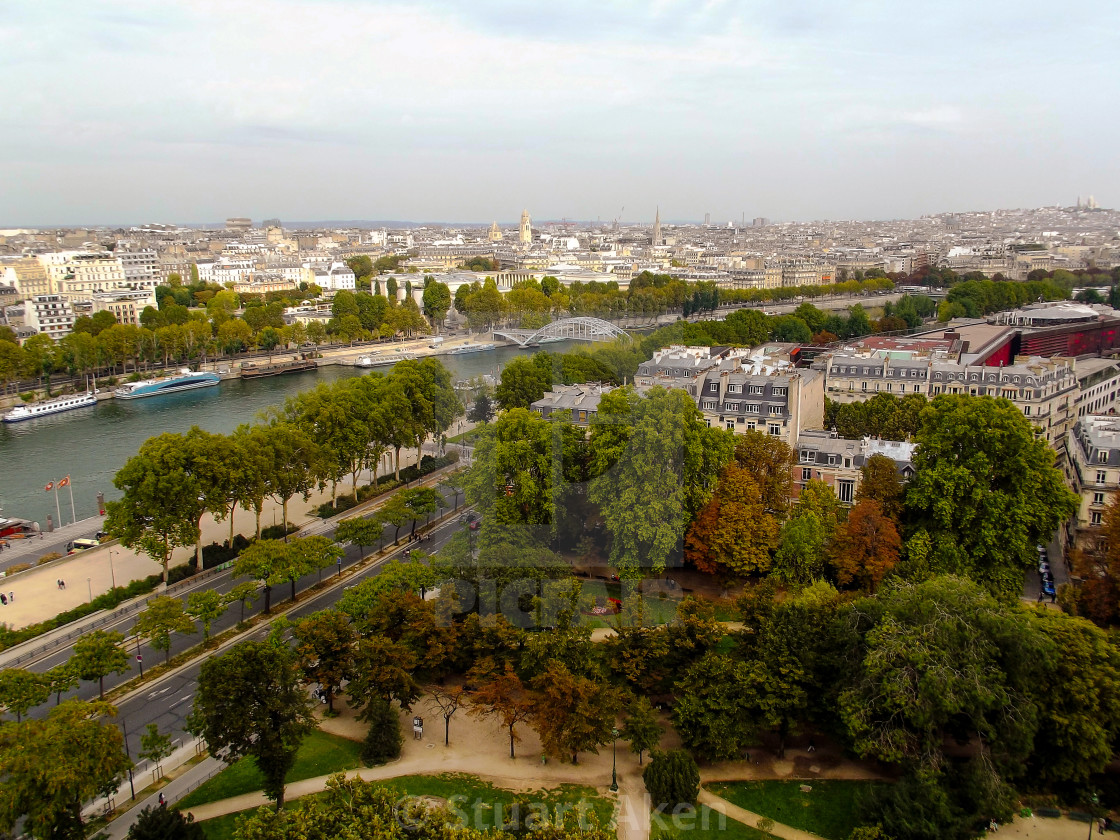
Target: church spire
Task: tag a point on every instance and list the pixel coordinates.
(657, 227)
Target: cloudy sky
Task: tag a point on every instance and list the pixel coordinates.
(124, 111)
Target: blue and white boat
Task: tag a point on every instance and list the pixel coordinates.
(184, 381)
(470, 347)
(55, 406)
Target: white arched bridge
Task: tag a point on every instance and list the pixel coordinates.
(583, 329)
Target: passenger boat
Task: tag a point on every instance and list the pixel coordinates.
(184, 381)
(376, 360)
(470, 347)
(251, 370)
(55, 406)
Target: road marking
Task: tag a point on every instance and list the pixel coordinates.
(180, 700)
(156, 694)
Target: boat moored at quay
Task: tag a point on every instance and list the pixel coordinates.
(184, 381)
(46, 407)
(252, 370)
(470, 347)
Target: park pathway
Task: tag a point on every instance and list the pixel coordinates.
(750, 818)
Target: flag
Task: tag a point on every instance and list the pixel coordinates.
(63, 482)
(50, 485)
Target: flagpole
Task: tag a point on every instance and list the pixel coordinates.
(73, 514)
(57, 509)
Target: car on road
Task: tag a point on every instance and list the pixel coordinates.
(472, 519)
(1048, 586)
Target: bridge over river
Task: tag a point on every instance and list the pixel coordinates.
(579, 329)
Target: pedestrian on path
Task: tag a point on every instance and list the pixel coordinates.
(12, 597)
(3, 600)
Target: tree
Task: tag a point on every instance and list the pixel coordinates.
(50, 767)
(655, 466)
(325, 650)
(770, 462)
(394, 511)
(22, 690)
(249, 702)
(437, 302)
(262, 560)
(733, 533)
(154, 746)
(482, 410)
(985, 489)
(359, 531)
(879, 482)
(866, 546)
(60, 679)
(572, 714)
(642, 729)
(383, 740)
(163, 616)
(288, 454)
(162, 500)
(307, 555)
(244, 593)
(155, 823)
(523, 382)
(382, 672)
(449, 700)
(207, 606)
(98, 654)
(715, 706)
(672, 779)
(421, 502)
(503, 695)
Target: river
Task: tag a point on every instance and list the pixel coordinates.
(91, 444)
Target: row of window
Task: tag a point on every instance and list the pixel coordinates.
(845, 487)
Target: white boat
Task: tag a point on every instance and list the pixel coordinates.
(55, 406)
(376, 360)
(184, 381)
(470, 347)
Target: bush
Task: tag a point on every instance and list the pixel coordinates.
(46, 558)
(672, 778)
(277, 532)
(18, 567)
(156, 823)
(341, 504)
(178, 573)
(383, 741)
(215, 554)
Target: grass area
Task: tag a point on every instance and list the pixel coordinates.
(472, 792)
(468, 437)
(829, 809)
(705, 825)
(319, 755)
(659, 610)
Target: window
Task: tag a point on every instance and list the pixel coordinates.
(734, 389)
(806, 474)
(1102, 476)
(778, 392)
(863, 386)
(751, 425)
(731, 406)
(1102, 456)
(917, 388)
(710, 404)
(776, 409)
(756, 389)
(845, 490)
(1095, 517)
(731, 425)
(752, 408)
(775, 429)
(890, 386)
(808, 456)
(1098, 498)
(1026, 411)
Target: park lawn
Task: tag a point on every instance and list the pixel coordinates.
(659, 610)
(319, 754)
(707, 825)
(472, 790)
(829, 809)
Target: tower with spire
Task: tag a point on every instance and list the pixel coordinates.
(495, 233)
(657, 228)
(526, 232)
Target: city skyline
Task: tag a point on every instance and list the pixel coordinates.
(122, 113)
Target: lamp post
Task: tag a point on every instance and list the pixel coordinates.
(112, 571)
(1092, 813)
(89, 583)
(614, 761)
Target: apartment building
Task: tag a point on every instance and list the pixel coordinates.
(1093, 470)
(577, 404)
(780, 403)
(85, 274)
(49, 314)
(1098, 386)
(822, 456)
(27, 276)
(124, 304)
(141, 267)
(262, 283)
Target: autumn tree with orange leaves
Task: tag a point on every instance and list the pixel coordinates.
(733, 533)
(866, 546)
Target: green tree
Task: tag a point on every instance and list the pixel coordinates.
(155, 823)
(523, 382)
(672, 778)
(383, 740)
(879, 481)
(986, 490)
(395, 511)
(262, 560)
(325, 650)
(243, 593)
(770, 462)
(655, 466)
(437, 302)
(50, 767)
(249, 702)
(715, 708)
(642, 729)
(98, 654)
(287, 456)
(359, 531)
(572, 714)
(421, 502)
(163, 616)
(162, 499)
(310, 554)
(22, 690)
(207, 606)
(60, 679)
(382, 673)
(154, 746)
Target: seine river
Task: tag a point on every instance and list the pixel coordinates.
(91, 444)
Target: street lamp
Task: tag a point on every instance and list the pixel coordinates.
(89, 583)
(112, 572)
(1092, 813)
(614, 761)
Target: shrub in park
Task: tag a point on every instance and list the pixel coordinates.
(383, 741)
(165, 824)
(672, 778)
(48, 557)
(18, 567)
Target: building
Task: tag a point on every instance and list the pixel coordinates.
(339, 277)
(676, 366)
(495, 234)
(1093, 471)
(141, 268)
(778, 403)
(50, 315)
(577, 404)
(125, 304)
(822, 456)
(263, 283)
(28, 276)
(86, 274)
(657, 238)
(1098, 386)
(239, 223)
(525, 232)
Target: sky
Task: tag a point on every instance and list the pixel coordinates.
(130, 111)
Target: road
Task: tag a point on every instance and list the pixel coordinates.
(166, 702)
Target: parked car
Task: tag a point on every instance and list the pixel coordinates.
(471, 519)
(1043, 568)
(1048, 586)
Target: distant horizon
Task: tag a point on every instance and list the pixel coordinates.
(404, 223)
